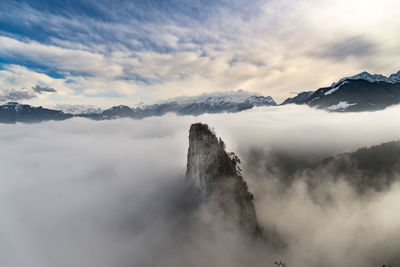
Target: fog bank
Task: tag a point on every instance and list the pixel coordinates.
(111, 193)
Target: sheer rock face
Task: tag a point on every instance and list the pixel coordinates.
(214, 175)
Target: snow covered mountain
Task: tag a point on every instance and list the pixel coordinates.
(233, 101)
(362, 92)
(238, 96)
(393, 78)
(78, 109)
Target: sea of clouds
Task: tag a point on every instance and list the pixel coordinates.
(111, 193)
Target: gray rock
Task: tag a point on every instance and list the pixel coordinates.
(214, 176)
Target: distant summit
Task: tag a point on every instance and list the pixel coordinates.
(78, 109)
(362, 92)
(214, 175)
(393, 78)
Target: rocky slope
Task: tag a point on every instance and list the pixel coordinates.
(214, 176)
(367, 169)
(299, 99)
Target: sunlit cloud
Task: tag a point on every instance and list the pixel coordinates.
(146, 52)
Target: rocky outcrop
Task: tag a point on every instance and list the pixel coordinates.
(214, 176)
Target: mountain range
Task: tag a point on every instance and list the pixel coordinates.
(233, 101)
(14, 112)
(361, 92)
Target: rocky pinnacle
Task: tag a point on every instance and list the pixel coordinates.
(214, 176)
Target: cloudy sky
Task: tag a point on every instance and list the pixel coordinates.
(126, 52)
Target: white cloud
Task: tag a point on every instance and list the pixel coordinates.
(59, 58)
(285, 46)
(106, 193)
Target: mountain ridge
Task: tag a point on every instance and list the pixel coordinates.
(232, 101)
(374, 167)
(361, 92)
(13, 112)
(393, 78)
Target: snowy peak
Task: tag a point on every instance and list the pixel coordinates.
(78, 109)
(259, 101)
(238, 96)
(393, 78)
(232, 101)
(219, 102)
(117, 111)
(362, 92)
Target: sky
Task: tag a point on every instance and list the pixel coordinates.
(107, 52)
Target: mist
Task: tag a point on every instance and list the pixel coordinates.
(111, 193)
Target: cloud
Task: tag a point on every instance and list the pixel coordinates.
(14, 95)
(39, 90)
(24, 94)
(59, 58)
(151, 51)
(109, 193)
(355, 46)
